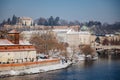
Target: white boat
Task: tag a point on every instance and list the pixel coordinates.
(95, 58)
(82, 57)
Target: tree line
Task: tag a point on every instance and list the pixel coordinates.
(111, 42)
(10, 21)
(51, 21)
(57, 21)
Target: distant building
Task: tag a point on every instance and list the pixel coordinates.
(26, 21)
(61, 34)
(78, 38)
(84, 28)
(72, 37)
(13, 50)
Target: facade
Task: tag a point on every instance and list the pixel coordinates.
(27, 34)
(72, 37)
(61, 34)
(13, 50)
(26, 21)
(78, 38)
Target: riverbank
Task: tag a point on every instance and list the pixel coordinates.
(105, 68)
(34, 70)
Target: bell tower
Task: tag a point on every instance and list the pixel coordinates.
(13, 36)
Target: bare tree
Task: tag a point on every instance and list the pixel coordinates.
(46, 42)
(105, 41)
(87, 50)
(3, 34)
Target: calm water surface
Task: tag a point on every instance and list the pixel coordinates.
(105, 68)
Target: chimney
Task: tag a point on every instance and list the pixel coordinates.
(13, 36)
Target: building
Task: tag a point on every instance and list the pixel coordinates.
(13, 50)
(78, 38)
(26, 21)
(61, 34)
(72, 37)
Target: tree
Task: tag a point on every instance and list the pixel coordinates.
(63, 22)
(3, 34)
(42, 21)
(45, 42)
(51, 21)
(22, 36)
(87, 50)
(105, 42)
(14, 20)
(4, 22)
(56, 22)
(37, 42)
(97, 40)
(71, 23)
(112, 41)
(9, 21)
(77, 22)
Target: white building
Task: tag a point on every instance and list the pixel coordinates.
(73, 38)
(78, 38)
(15, 50)
(26, 21)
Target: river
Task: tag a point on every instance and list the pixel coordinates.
(105, 68)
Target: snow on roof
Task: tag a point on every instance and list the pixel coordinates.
(81, 32)
(13, 31)
(34, 31)
(61, 30)
(26, 18)
(5, 42)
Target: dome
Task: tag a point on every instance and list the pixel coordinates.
(84, 28)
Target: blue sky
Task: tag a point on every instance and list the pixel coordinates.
(82, 10)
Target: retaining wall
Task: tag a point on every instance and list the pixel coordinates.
(26, 65)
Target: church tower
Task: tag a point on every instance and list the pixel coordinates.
(13, 36)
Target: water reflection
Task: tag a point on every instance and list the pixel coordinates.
(105, 68)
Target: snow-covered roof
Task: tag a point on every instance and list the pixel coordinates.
(25, 18)
(13, 31)
(32, 32)
(80, 32)
(5, 42)
(61, 30)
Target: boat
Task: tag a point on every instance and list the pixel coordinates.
(82, 57)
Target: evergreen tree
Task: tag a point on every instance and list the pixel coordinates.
(51, 21)
(4, 22)
(97, 40)
(56, 21)
(42, 21)
(8, 21)
(14, 20)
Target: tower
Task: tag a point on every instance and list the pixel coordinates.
(13, 36)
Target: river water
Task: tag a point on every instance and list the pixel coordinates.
(105, 68)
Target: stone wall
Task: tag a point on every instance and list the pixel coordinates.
(26, 65)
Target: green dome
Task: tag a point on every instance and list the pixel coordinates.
(84, 28)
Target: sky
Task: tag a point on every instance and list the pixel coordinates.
(81, 10)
